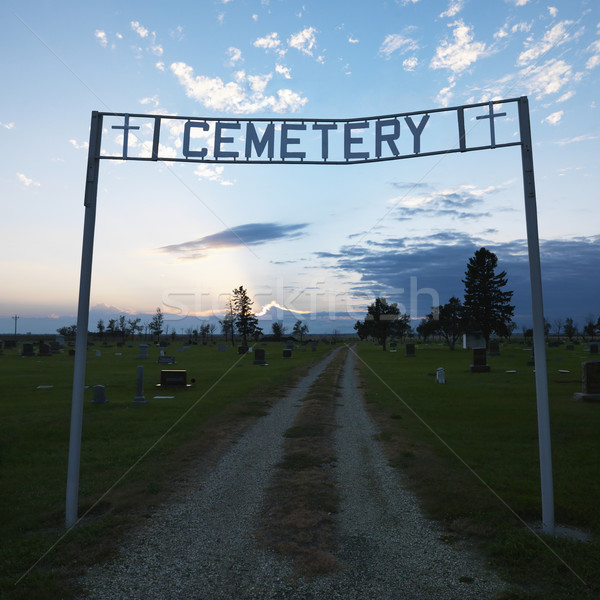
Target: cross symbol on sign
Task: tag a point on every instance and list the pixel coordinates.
(491, 116)
(126, 127)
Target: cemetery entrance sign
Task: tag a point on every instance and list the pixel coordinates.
(300, 141)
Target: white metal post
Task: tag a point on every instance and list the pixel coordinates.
(539, 342)
(83, 313)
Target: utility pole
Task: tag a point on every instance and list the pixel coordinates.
(16, 318)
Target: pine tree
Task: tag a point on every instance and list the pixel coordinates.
(245, 321)
(486, 307)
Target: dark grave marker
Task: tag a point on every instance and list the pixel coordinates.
(143, 351)
(28, 349)
(287, 353)
(173, 378)
(410, 350)
(45, 350)
(590, 382)
(594, 348)
(139, 393)
(242, 349)
(260, 357)
(479, 361)
(99, 395)
(494, 348)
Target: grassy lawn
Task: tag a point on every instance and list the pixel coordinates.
(470, 450)
(166, 434)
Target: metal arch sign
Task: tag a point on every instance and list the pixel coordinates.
(322, 142)
(305, 141)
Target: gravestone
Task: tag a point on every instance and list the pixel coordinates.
(479, 361)
(60, 340)
(71, 352)
(260, 357)
(10, 344)
(242, 349)
(45, 350)
(590, 382)
(473, 340)
(143, 351)
(594, 348)
(314, 347)
(410, 350)
(531, 361)
(222, 348)
(440, 375)
(28, 349)
(494, 349)
(174, 378)
(1, 344)
(98, 353)
(55, 347)
(166, 360)
(99, 395)
(393, 346)
(287, 353)
(139, 393)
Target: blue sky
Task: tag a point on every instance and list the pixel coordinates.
(319, 240)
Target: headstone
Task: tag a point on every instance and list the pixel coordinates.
(473, 340)
(28, 349)
(71, 352)
(174, 378)
(393, 346)
(55, 347)
(287, 353)
(531, 361)
(99, 395)
(45, 350)
(590, 382)
(10, 344)
(479, 361)
(1, 343)
(494, 348)
(139, 393)
(410, 350)
(98, 353)
(143, 351)
(260, 357)
(222, 348)
(60, 340)
(314, 347)
(440, 375)
(242, 349)
(166, 360)
(594, 348)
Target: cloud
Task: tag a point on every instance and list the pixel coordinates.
(396, 42)
(212, 173)
(410, 64)
(554, 118)
(304, 40)
(586, 137)
(453, 9)
(269, 42)
(235, 55)
(553, 11)
(437, 263)
(101, 37)
(285, 71)
(251, 234)
(461, 53)
(554, 37)
(139, 29)
(547, 78)
(26, 181)
(594, 60)
(351, 40)
(7, 125)
(244, 95)
(79, 146)
(459, 202)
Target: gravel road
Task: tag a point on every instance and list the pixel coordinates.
(203, 548)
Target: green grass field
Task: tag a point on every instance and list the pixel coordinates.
(471, 449)
(34, 434)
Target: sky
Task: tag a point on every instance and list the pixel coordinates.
(323, 241)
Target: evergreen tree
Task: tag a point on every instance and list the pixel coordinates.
(380, 321)
(245, 321)
(486, 307)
